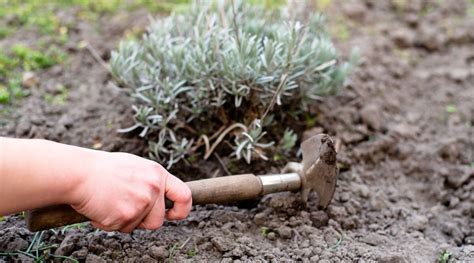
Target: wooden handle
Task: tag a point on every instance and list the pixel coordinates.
(219, 190)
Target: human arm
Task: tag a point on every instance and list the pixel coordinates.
(117, 191)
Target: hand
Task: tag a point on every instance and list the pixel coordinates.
(120, 192)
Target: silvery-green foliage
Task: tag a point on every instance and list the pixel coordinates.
(288, 140)
(213, 66)
(249, 143)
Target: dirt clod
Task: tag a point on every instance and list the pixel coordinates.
(91, 258)
(222, 244)
(319, 218)
(260, 218)
(67, 245)
(284, 232)
(392, 259)
(158, 252)
(11, 239)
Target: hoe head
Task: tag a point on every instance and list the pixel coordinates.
(318, 170)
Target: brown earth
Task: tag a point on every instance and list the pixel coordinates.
(405, 123)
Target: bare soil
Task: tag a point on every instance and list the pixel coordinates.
(404, 121)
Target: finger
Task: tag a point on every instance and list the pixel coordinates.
(154, 219)
(136, 223)
(180, 194)
(99, 225)
(130, 227)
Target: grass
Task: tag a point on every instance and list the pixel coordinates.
(38, 251)
(338, 242)
(192, 252)
(41, 17)
(64, 229)
(22, 58)
(339, 28)
(172, 252)
(57, 99)
(174, 249)
(269, 3)
(31, 59)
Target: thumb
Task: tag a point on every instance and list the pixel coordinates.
(180, 194)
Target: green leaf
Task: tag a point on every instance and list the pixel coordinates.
(451, 108)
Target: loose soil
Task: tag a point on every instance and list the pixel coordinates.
(404, 122)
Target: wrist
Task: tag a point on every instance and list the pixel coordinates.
(72, 171)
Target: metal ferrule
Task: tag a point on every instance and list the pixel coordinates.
(273, 183)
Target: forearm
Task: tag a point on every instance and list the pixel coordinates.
(37, 173)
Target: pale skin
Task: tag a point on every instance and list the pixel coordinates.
(117, 191)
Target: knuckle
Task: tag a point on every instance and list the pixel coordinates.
(126, 215)
(155, 185)
(187, 195)
(143, 201)
(184, 195)
(160, 170)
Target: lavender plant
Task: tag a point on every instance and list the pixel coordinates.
(221, 74)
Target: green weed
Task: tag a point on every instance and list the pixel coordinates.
(310, 119)
(32, 59)
(38, 251)
(192, 252)
(20, 59)
(7, 63)
(288, 141)
(73, 226)
(264, 231)
(12, 90)
(57, 99)
(268, 3)
(444, 256)
(400, 6)
(172, 252)
(451, 108)
(5, 31)
(32, 14)
(4, 95)
(341, 31)
(338, 242)
(323, 4)
(160, 6)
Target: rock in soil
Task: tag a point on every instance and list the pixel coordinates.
(284, 232)
(222, 244)
(158, 252)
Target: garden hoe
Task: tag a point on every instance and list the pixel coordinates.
(316, 172)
